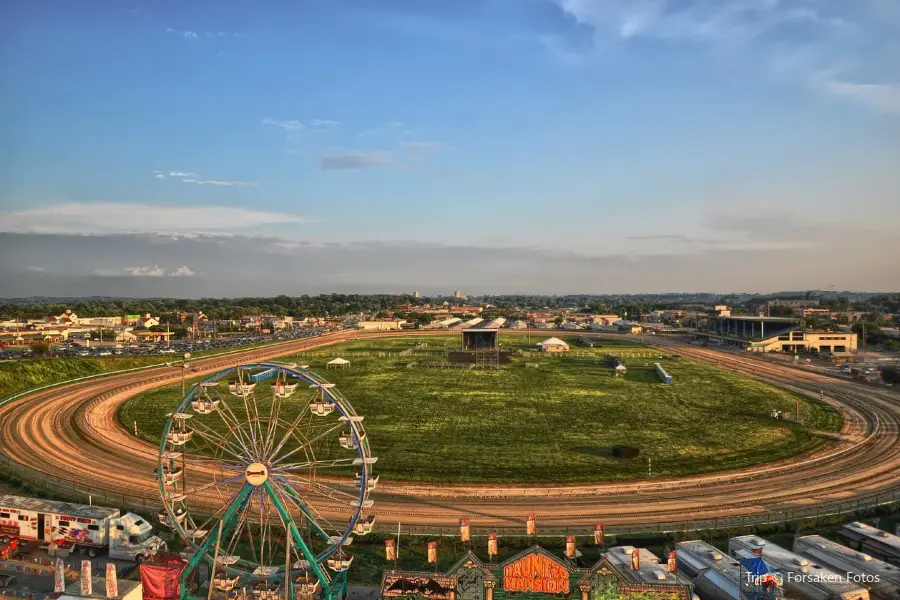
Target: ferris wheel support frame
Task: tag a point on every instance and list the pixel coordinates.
(331, 587)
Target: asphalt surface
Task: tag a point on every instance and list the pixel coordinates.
(72, 432)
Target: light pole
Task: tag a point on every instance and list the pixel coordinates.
(184, 365)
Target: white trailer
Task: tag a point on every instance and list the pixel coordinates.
(92, 528)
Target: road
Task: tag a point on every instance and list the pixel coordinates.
(72, 432)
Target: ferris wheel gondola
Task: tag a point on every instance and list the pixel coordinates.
(249, 472)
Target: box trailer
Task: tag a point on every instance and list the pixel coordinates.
(91, 528)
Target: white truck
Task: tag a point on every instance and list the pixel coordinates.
(80, 526)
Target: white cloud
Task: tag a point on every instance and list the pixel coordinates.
(160, 176)
(221, 182)
(181, 174)
(185, 33)
(154, 271)
(288, 126)
(182, 271)
(323, 123)
(110, 217)
(346, 160)
(35, 269)
(394, 127)
(880, 96)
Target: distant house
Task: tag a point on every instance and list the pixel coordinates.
(147, 321)
(67, 318)
(381, 325)
(554, 344)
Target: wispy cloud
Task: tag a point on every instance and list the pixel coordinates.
(346, 160)
(190, 34)
(395, 128)
(294, 127)
(35, 269)
(184, 33)
(104, 218)
(224, 183)
(797, 39)
(154, 271)
(190, 177)
(880, 96)
(183, 271)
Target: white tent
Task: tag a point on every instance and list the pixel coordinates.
(554, 344)
(338, 363)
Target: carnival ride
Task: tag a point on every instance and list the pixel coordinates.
(238, 476)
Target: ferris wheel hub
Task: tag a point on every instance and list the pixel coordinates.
(256, 474)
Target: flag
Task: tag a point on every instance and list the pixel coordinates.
(599, 539)
(87, 588)
(390, 551)
(464, 530)
(492, 544)
(635, 559)
(112, 584)
(673, 562)
(59, 582)
(570, 546)
(432, 552)
(530, 525)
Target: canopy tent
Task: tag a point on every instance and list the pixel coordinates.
(338, 362)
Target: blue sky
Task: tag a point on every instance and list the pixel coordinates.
(715, 138)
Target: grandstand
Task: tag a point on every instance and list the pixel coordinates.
(470, 324)
(774, 334)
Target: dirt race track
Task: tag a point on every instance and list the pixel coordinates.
(71, 432)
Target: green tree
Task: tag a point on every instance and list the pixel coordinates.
(40, 348)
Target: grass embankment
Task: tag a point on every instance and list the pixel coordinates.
(560, 422)
(23, 375)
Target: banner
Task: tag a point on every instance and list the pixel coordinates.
(432, 552)
(599, 539)
(673, 562)
(464, 530)
(59, 581)
(162, 580)
(530, 525)
(492, 544)
(390, 551)
(536, 573)
(570, 546)
(635, 559)
(87, 584)
(112, 583)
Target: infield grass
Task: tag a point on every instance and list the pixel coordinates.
(555, 423)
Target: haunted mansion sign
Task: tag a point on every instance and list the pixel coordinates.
(536, 572)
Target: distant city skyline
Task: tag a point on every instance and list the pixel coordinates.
(491, 146)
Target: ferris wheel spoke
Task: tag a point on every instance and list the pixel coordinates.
(317, 464)
(234, 427)
(293, 426)
(317, 487)
(218, 441)
(309, 441)
(313, 515)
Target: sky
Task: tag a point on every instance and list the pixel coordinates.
(209, 148)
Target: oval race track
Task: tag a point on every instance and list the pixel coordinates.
(72, 432)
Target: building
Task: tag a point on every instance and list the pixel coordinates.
(457, 294)
(417, 295)
(871, 540)
(127, 590)
(151, 337)
(381, 325)
(480, 338)
(103, 322)
(805, 311)
(533, 574)
(67, 318)
(604, 319)
(147, 321)
(882, 579)
(554, 344)
(775, 334)
(800, 578)
(722, 310)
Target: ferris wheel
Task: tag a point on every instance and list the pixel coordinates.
(265, 473)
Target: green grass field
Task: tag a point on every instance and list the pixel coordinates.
(555, 423)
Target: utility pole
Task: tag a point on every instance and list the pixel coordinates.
(184, 365)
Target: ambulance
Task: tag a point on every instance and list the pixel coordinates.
(89, 528)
